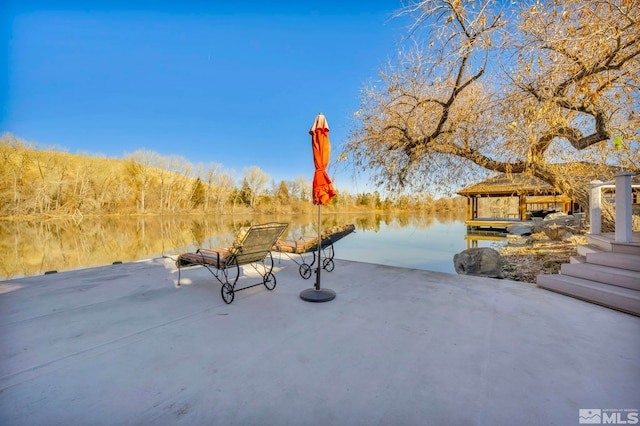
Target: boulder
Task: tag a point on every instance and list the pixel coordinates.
(557, 232)
(556, 216)
(558, 219)
(520, 229)
(480, 261)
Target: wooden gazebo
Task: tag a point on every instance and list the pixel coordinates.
(513, 197)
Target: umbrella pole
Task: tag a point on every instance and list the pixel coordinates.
(315, 294)
(319, 247)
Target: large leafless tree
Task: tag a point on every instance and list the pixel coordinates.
(483, 87)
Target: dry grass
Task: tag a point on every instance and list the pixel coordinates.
(539, 255)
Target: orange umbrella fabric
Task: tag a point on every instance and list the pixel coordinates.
(323, 190)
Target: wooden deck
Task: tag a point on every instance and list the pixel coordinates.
(482, 235)
(494, 223)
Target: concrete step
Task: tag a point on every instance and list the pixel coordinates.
(626, 248)
(607, 243)
(603, 274)
(615, 297)
(577, 259)
(616, 260)
(584, 249)
(598, 242)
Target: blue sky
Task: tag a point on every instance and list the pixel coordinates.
(237, 83)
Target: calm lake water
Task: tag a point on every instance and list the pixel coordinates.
(33, 248)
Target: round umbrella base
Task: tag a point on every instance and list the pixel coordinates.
(313, 295)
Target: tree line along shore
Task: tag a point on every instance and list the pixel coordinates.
(42, 182)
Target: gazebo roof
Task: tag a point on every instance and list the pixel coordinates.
(509, 184)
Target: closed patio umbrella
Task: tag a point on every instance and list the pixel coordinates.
(323, 192)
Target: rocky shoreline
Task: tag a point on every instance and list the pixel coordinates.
(525, 258)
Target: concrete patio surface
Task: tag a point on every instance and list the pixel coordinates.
(120, 345)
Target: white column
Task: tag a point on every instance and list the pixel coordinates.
(595, 207)
(623, 207)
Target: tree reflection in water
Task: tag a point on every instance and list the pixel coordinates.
(35, 247)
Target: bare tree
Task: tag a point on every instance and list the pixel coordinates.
(256, 180)
(14, 161)
(301, 188)
(223, 187)
(179, 191)
(485, 89)
(208, 177)
(104, 186)
(83, 181)
(140, 174)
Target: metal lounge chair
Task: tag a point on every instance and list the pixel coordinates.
(252, 247)
(301, 248)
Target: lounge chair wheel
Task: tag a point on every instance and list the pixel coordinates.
(305, 271)
(269, 281)
(328, 265)
(227, 293)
